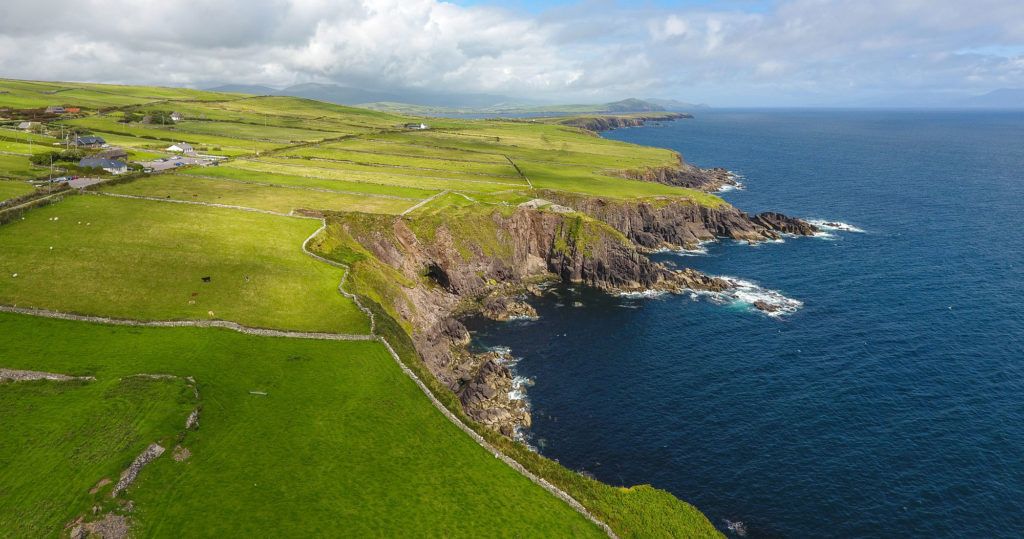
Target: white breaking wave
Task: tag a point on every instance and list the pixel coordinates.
(747, 293)
(700, 250)
(737, 527)
(740, 292)
(519, 385)
(825, 224)
(642, 294)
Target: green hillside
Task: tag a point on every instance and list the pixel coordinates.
(308, 425)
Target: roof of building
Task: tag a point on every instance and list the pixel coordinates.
(99, 162)
(89, 140)
(183, 145)
(113, 153)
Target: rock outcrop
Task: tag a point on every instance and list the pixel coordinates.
(684, 175)
(609, 122)
(785, 224)
(484, 391)
(671, 222)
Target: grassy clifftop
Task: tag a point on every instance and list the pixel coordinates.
(341, 440)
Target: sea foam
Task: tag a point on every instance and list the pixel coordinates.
(828, 225)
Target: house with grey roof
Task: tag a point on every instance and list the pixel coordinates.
(110, 165)
(88, 141)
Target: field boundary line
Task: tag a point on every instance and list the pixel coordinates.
(515, 166)
(422, 203)
(198, 203)
(224, 324)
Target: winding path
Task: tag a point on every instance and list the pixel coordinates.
(263, 332)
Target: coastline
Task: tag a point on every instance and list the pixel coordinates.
(444, 268)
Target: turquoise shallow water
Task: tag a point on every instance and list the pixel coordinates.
(890, 403)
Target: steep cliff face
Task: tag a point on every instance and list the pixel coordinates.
(673, 223)
(486, 261)
(538, 245)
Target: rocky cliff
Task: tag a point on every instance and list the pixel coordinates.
(685, 175)
(606, 123)
(673, 222)
(486, 264)
(455, 279)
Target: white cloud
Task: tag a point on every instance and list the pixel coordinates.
(799, 50)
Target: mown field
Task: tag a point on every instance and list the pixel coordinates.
(343, 443)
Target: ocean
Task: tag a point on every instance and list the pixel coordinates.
(888, 402)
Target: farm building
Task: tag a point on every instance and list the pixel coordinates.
(416, 126)
(112, 153)
(88, 141)
(181, 147)
(176, 117)
(55, 109)
(28, 126)
(110, 165)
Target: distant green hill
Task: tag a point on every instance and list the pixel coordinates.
(616, 107)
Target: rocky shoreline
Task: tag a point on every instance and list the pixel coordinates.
(568, 238)
(597, 124)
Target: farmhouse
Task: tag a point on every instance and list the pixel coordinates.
(416, 126)
(89, 141)
(176, 117)
(110, 165)
(181, 147)
(28, 126)
(55, 109)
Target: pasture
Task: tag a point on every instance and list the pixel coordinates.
(146, 260)
(337, 441)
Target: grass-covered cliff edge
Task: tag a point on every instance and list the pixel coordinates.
(306, 405)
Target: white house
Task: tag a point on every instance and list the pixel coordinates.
(416, 126)
(110, 165)
(28, 126)
(176, 117)
(181, 147)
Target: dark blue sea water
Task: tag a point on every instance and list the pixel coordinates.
(890, 404)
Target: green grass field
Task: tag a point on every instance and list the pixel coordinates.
(13, 189)
(342, 444)
(145, 260)
(259, 196)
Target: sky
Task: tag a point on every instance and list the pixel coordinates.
(724, 53)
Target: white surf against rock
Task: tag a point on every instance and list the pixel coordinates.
(834, 226)
(749, 294)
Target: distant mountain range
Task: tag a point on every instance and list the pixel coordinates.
(434, 103)
(1003, 98)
